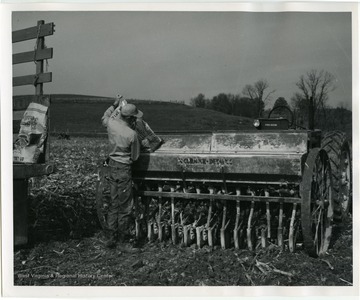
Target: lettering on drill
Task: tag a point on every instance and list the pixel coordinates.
(184, 161)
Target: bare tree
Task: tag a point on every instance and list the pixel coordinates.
(315, 87)
(249, 91)
(300, 109)
(257, 92)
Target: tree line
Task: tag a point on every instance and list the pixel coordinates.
(309, 103)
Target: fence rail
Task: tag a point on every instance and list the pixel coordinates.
(30, 56)
(30, 33)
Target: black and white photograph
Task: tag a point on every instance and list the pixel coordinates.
(183, 146)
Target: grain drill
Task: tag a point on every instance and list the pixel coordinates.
(276, 184)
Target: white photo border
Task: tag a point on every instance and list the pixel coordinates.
(99, 292)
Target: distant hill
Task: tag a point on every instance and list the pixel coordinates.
(71, 97)
(82, 114)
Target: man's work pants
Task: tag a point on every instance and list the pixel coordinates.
(119, 214)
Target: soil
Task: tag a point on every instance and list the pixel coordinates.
(86, 261)
(66, 244)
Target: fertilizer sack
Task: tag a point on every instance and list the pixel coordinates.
(150, 142)
(32, 135)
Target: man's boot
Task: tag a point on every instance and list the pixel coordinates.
(111, 240)
(110, 244)
(127, 248)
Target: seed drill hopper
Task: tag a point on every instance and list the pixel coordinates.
(249, 189)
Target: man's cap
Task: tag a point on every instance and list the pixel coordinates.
(130, 110)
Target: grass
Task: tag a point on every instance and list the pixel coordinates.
(81, 115)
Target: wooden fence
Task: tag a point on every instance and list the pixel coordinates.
(22, 172)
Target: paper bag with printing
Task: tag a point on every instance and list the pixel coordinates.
(32, 135)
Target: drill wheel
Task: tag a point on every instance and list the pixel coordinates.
(317, 211)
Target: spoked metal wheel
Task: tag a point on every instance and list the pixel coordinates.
(339, 151)
(317, 205)
(345, 180)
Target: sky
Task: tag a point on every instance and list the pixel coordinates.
(177, 55)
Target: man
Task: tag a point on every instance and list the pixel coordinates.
(125, 150)
(149, 141)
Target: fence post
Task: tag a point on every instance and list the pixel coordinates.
(39, 63)
(20, 213)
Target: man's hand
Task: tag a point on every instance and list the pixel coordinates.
(146, 145)
(117, 100)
